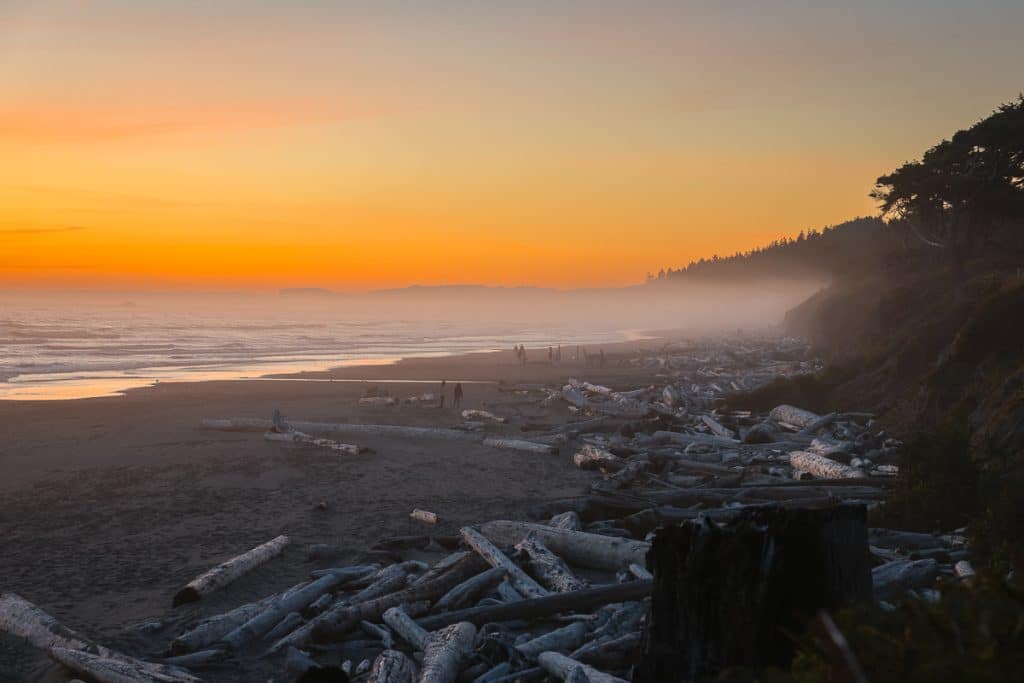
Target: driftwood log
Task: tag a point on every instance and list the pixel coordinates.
(392, 666)
(22, 619)
(790, 415)
(576, 547)
(407, 629)
(547, 567)
(737, 595)
(560, 666)
(823, 468)
(494, 557)
(445, 651)
(228, 571)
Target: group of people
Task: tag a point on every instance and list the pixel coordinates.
(520, 352)
(456, 394)
(555, 355)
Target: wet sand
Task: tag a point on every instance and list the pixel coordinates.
(109, 505)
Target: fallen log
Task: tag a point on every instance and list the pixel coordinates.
(823, 468)
(228, 571)
(562, 639)
(293, 601)
(577, 547)
(22, 619)
(445, 651)
(738, 595)
(894, 579)
(791, 415)
(482, 415)
(716, 427)
(304, 439)
(570, 521)
(213, 629)
(248, 424)
(610, 652)
(423, 516)
(685, 439)
(591, 457)
(814, 426)
(340, 620)
(494, 557)
(535, 608)
(402, 624)
(521, 445)
(470, 588)
(547, 567)
(392, 666)
(560, 666)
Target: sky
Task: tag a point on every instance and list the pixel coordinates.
(191, 144)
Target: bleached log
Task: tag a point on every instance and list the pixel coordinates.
(963, 569)
(684, 439)
(307, 440)
(521, 445)
(293, 601)
(717, 428)
(670, 396)
(213, 629)
(609, 651)
(569, 521)
(288, 623)
(791, 415)
(198, 660)
(494, 557)
(823, 468)
(639, 572)
(443, 565)
(423, 516)
(445, 652)
(371, 401)
(576, 547)
(549, 569)
(402, 624)
(470, 414)
(591, 457)
(539, 608)
(470, 588)
(563, 639)
(392, 666)
(892, 580)
(349, 575)
(340, 618)
(248, 424)
(228, 571)
(560, 666)
(22, 619)
(814, 426)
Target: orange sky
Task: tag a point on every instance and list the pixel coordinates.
(359, 145)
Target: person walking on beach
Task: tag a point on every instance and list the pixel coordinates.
(443, 390)
(522, 354)
(457, 396)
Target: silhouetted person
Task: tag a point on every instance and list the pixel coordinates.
(600, 362)
(558, 354)
(551, 354)
(457, 396)
(522, 350)
(444, 384)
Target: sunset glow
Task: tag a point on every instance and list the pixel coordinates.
(360, 145)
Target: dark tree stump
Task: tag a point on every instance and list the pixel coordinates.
(738, 595)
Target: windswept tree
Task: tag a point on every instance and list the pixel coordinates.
(963, 187)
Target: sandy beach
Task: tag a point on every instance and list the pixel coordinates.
(110, 505)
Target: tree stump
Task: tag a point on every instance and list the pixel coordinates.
(738, 595)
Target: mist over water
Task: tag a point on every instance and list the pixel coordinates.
(56, 346)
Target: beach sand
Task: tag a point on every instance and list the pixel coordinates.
(109, 505)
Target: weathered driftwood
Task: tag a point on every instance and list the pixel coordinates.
(577, 547)
(198, 660)
(823, 468)
(423, 516)
(244, 424)
(570, 521)
(685, 439)
(293, 601)
(736, 595)
(563, 639)
(470, 414)
(894, 579)
(521, 445)
(610, 651)
(791, 415)
(213, 629)
(535, 608)
(402, 624)
(549, 569)
(228, 571)
(392, 666)
(717, 428)
(470, 588)
(494, 557)
(22, 619)
(371, 401)
(341, 619)
(814, 426)
(349, 575)
(445, 651)
(288, 623)
(443, 565)
(318, 442)
(591, 457)
(561, 667)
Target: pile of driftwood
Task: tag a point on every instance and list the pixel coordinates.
(565, 597)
